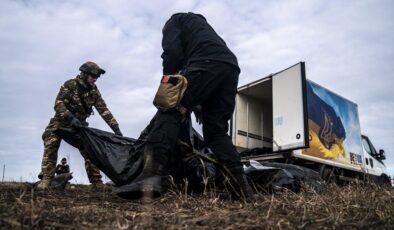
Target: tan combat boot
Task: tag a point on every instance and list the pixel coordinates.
(97, 186)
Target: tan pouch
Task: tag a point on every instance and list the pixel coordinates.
(170, 92)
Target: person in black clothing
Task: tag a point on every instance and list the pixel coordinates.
(191, 46)
(62, 168)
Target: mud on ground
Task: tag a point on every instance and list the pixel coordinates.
(78, 207)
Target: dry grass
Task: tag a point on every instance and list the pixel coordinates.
(348, 207)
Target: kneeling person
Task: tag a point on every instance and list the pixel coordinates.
(63, 167)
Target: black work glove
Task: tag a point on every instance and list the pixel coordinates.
(117, 131)
(198, 113)
(73, 121)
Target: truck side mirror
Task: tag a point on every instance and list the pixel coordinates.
(381, 155)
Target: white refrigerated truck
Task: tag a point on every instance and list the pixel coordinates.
(285, 117)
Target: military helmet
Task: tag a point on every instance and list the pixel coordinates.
(91, 68)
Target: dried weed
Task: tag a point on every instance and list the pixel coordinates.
(350, 207)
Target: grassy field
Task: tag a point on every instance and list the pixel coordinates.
(348, 207)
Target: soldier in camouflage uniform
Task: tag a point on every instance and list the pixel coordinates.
(73, 105)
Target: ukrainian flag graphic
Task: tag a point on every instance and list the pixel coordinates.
(326, 131)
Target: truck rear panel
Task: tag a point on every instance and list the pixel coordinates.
(270, 112)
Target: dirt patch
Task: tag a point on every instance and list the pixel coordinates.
(78, 207)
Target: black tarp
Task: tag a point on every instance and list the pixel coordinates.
(121, 160)
(273, 176)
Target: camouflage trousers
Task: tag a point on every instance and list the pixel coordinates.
(51, 147)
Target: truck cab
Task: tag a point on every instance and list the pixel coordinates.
(374, 164)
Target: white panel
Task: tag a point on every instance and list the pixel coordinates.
(240, 121)
(288, 109)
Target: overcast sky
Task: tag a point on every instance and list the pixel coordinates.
(347, 47)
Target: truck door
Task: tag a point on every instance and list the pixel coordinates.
(373, 166)
(290, 118)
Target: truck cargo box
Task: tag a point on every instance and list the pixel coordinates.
(286, 112)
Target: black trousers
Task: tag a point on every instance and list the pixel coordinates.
(213, 85)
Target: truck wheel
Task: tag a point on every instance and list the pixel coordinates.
(328, 174)
(385, 181)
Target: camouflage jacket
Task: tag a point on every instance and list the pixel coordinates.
(77, 98)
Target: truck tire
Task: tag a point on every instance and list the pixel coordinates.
(385, 181)
(327, 173)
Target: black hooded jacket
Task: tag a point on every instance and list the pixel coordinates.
(187, 38)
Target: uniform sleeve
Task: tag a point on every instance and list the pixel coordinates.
(63, 98)
(104, 111)
(172, 47)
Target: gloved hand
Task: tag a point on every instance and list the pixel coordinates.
(75, 123)
(198, 113)
(117, 131)
(72, 120)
